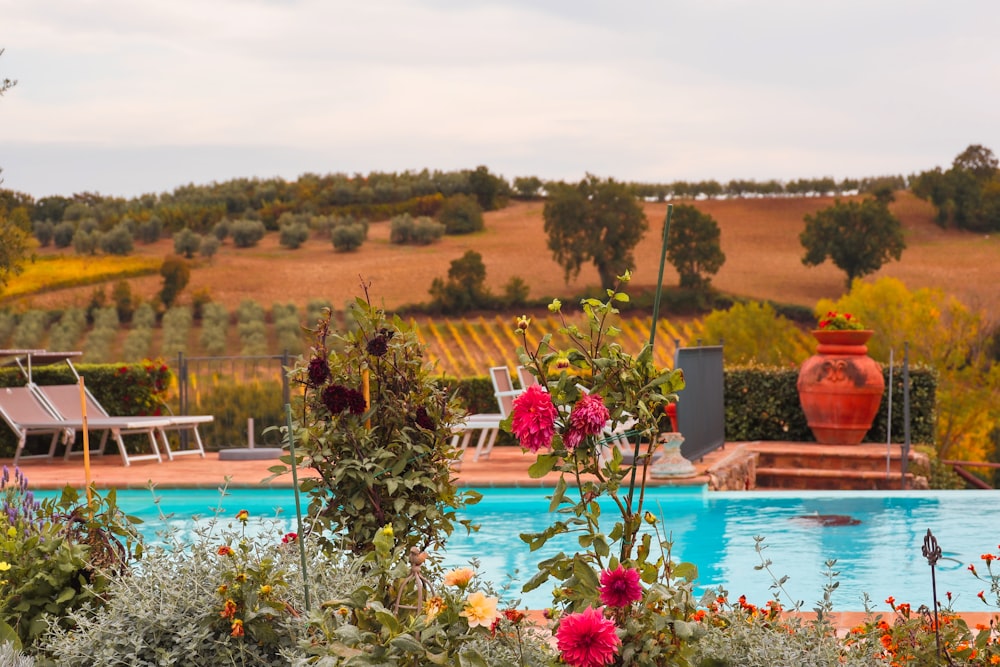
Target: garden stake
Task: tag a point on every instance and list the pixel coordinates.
(298, 505)
(932, 552)
(652, 340)
(86, 443)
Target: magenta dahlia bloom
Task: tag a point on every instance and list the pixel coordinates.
(620, 587)
(534, 418)
(588, 417)
(587, 639)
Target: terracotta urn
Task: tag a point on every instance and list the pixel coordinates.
(840, 387)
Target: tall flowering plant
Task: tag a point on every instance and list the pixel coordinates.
(620, 599)
(375, 427)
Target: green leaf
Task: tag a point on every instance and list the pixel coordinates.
(387, 620)
(8, 636)
(540, 578)
(542, 466)
(66, 595)
(471, 658)
(585, 574)
(558, 494)
(686, 571)
(407, 643)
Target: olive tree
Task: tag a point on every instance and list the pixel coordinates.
(693, 246)
(858, 237)
(594, 221)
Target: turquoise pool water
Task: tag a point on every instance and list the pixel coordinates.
(879, 554)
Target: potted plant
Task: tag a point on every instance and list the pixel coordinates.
(840, 387)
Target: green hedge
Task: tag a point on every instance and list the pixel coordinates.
(763, 404)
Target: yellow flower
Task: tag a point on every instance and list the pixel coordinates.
(460, 577)
(4, 566)
(265, 590)
(480, 610)
(12, 532)
(433, 607)
(387, 529)
(243, 516)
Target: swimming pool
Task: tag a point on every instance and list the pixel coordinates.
(876, 539)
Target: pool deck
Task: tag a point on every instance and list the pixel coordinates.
(506, 466)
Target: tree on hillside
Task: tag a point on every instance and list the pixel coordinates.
(176, 274)
(594, 220)
(13, 237)
(490, 191)
(857, 237)
(693, 247)
(968, 194)
(465, 288)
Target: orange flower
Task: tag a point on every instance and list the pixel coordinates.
(225, 550)
(460, 577)
(237, 628)
(228, 609)
(243, 516)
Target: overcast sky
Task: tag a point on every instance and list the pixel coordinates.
(124, 97)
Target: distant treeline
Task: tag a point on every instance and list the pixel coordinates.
(376, 196)
(967, 196)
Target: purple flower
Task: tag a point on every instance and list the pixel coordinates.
(319, 371)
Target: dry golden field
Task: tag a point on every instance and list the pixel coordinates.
(759, 238)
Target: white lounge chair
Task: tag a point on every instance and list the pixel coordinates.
(27, 415)
(65, 399)
(487, 423)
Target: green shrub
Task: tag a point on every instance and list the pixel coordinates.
(250, 325)
(59, 556)
(293, 235)
(183, 607)
(65, 335)
(84, 242)
(138, 342)
(221, 230)
(8, 323)
(149, 230)
(117, 241)
(247, 233)
(176, 274)
(461, 214)
(30, 331)
(44, 231)
(346, 238)
(208, 247)
(176, 330)
(420, 231)
(124, 302)
(186, 242)
(214, 323)
(102, 336)
(515, 292)
(288, 328)
(62, 234)
(753, 332)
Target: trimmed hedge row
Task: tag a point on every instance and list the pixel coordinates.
(763, 404)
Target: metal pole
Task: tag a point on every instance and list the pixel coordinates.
(298, 503)
(904, 464)
(888, 421)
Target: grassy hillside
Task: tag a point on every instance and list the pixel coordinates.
(759, 237)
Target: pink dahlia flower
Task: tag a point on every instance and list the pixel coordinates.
(534, 418)
(587, 639)
(588, 417)
(620, 587)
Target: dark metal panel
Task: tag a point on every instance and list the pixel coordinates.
(701, 416)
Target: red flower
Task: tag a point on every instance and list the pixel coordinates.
(515, 616)
(289, 537)
(225, 550)
(587, 639)
(621, 587)
(237, 628)
(989, 558)
(534, 418)
(588, 418)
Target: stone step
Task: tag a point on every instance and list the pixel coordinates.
(862, 460)
(826, 478)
